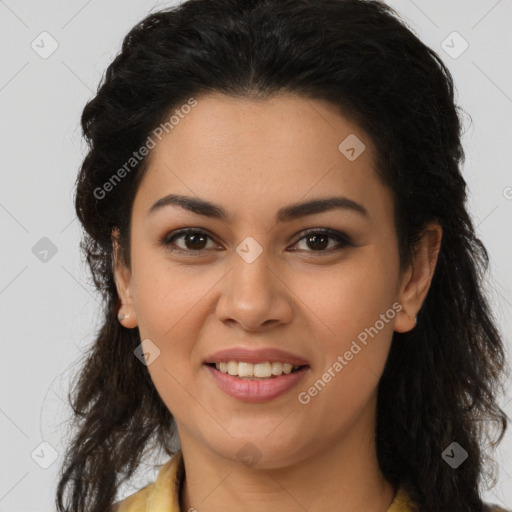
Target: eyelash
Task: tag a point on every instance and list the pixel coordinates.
(342, 240)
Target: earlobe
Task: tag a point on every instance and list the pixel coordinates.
(122, 277)
(126, 320)
(405, 322)
(418, 277)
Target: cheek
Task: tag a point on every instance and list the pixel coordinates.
(352, 296)
(168, 309)
(353, 318)
(169, 302)
(354, 341)
(166, 293)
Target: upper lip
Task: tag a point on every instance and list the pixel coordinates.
(255, 356)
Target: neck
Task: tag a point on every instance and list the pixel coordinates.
(343, 476)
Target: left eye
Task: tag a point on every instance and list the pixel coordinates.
(318, 240)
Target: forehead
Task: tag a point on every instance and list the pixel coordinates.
(258, 155)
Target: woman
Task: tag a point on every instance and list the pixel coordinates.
(276, 218)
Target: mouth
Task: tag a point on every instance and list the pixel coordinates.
(255, 382)
(265, 370)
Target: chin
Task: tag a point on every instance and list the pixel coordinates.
(259, 451)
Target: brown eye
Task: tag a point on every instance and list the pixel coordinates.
(318, 241)
(192, 241)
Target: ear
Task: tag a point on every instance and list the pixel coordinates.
(417, 278)
(122, 277)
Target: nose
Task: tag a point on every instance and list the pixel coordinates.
(254, 295)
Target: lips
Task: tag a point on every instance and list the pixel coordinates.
(254, 389)
(255, 356)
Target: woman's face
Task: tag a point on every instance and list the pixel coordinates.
(254, 281)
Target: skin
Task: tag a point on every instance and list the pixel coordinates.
(252, 158)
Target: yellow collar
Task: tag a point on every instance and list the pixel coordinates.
(165, 495)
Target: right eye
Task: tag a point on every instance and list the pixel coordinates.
(194, 238)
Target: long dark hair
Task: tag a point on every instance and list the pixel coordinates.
(441, 379)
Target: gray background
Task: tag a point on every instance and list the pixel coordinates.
(49, 309)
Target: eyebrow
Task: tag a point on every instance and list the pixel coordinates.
(285, 214)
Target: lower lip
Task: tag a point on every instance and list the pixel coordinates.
(256, 390)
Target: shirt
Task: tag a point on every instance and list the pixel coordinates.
(163, 494)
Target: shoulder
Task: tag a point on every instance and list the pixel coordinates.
(496, 508)
(403, 503)
(161, 494)
(136, 502)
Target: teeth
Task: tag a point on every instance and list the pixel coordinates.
(232, 368)
(277, 368)
(262, 370)
(245, 370)
(255, 370)
(287, 368)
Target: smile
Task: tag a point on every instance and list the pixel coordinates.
(255, 382)
(256, 370)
